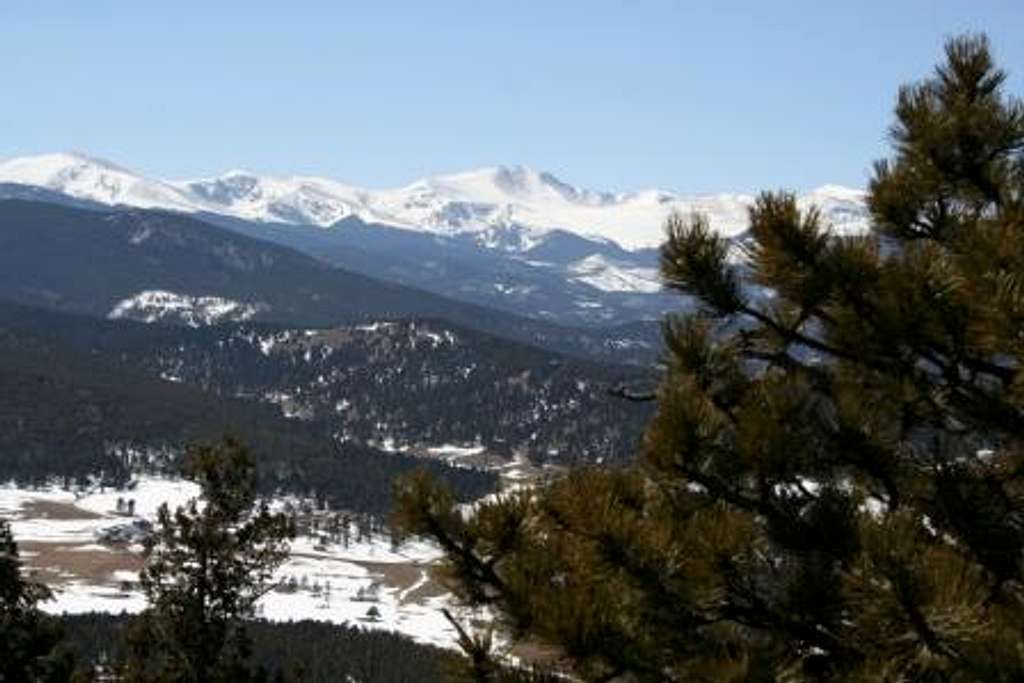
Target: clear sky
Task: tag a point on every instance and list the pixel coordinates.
(617, 95)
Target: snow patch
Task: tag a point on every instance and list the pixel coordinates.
(607, 276)
(160, 306)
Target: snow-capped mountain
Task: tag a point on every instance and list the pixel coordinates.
(483, 202)
(82, 177)
(506, 237)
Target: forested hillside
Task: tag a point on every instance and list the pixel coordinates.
(321, 407)
(71, 413)
(310, 651)
(91, 262)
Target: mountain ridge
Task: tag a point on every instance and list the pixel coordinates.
(475, 201)
(100, 263)
(508, 238)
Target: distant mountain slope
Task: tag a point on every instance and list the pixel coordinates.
(119, 262)
(74, 385)
(565, 279)
(508, 238)
(75, 409)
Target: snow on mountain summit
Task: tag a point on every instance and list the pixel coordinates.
(482, 202)
(503, 184)
(300, 200)
(84, 177)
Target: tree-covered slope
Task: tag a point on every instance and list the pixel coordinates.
(409, 383)
(89, 262)
(72, 410)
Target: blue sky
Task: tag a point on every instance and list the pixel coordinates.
(687, 96)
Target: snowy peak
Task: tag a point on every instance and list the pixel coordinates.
(506, 185)
(84, 177)
(66, 171)
(843, 207)
(231, 187)
(524, 183)
(499, 207)
(61, 167)
(303, 201)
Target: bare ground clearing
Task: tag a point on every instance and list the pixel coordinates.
(60, 563)
(48, 509)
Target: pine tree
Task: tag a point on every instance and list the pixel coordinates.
(207, 565)
(832, 487)
(29, 639)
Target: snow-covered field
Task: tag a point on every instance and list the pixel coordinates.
(606, 276)
(366, 581)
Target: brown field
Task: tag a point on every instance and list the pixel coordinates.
(399, 575)
(44, 509)
(59, 563)
(404, 576)
(431, 589)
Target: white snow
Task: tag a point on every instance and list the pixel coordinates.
(451, 451)
(509, 208)
(156, 305)
(124, 575)
(607, 276)
(149, 493)
(78, 597)
(376, 326)
(100, 508)
(84, 177)
(351, 572)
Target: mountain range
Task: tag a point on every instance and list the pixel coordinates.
(158, 266)
(333, 315)
(509, 238)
